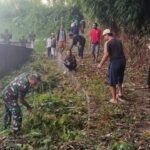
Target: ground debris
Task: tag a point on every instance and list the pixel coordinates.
(73, 145)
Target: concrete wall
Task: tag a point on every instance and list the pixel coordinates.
(12, 57)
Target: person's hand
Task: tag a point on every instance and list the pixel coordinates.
(99, 66)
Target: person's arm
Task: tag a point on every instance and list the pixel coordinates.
(71, 47)
(25, 103)
(73, 43)
(105, 56)
(22, 92)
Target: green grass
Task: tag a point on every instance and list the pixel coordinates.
(40, 45)
(57, 115)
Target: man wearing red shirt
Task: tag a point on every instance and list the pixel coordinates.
(95, 35)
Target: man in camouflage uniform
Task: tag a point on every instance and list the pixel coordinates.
(13, 94)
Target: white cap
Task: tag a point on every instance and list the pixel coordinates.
(106, 31)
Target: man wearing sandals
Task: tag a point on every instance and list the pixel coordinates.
(114, 51)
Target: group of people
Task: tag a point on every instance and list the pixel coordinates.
(113, 49)
(53, 41)
(77, 28)
(14, 93)
(79, 41)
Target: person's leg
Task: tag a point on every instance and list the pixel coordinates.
(120, 75)
(7, 117)
(80, 54)
(113, 93)
(56, 51)
(49, 52)
(120, 88)
(52, 52)
(97, 48)
(16, 117)
(93, 51)
(112, 81)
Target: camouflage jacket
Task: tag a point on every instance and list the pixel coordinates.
(18, 88)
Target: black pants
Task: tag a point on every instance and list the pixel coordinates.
(148, 80)
(80, 51)
(71, 67)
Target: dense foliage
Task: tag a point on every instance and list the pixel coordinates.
(24, 16)
(132, 15)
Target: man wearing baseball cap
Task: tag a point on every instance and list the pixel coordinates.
(113, 50)
(13, 96)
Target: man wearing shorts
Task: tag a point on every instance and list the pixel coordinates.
(95, 35)
(114, 50)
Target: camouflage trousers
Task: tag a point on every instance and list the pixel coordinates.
(13, 116)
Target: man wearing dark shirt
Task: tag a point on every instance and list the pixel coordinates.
(70, 61)
(114, 50)
(79, 41)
